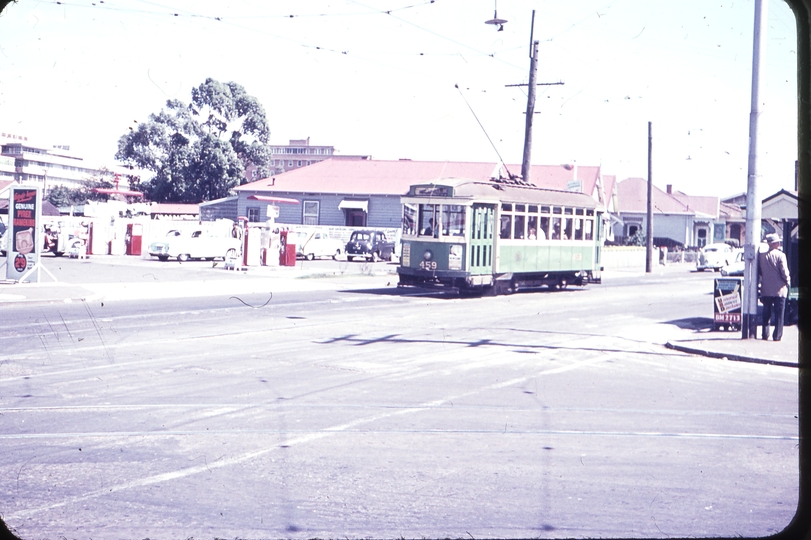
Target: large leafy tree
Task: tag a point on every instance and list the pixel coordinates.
(199, 152)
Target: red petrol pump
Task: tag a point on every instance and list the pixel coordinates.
(134, 238)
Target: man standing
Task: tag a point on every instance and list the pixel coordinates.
(775, 279)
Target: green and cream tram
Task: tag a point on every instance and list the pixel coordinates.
(500, 236)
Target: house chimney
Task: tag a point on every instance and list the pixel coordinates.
(670, 189)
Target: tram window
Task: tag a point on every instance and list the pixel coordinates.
(544, 209)
(567, 228)
(578, 211)
(532, 227)
(568, 211)
(506, 221)
(578, 229)
(520, 208)
(543, 232)
(428, 220)
(409, 219)
(557, 210)
(519, 227)
(589, 212)
(555, 228)
(453, 220)
(507, 207)
(588, 227)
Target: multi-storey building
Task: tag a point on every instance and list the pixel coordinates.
(298, 153)
(33, 164)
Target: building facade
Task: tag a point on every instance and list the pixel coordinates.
(35, 164)
(357, 192)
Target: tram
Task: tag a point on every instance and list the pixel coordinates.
(498, 236)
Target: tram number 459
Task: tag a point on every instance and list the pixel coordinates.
(428, 265)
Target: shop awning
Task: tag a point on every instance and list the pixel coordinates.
(348, 204)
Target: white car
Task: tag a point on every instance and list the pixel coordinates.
(198, 244)
(736, 267)
(317, 244)
(714, 257)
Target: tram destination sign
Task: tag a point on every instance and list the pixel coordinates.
(431, 191)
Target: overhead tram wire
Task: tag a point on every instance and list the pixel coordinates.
(101, 4)
(512, 177)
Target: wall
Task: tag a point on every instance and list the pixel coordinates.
(384, 211)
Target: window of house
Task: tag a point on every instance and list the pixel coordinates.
(253, 214)
(310, 213)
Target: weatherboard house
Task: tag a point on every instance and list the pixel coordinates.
(366, 193)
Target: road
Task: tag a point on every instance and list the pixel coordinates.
(347, 408)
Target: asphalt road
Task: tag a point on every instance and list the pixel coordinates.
(347, 408)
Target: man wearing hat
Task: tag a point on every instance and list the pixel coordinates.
(774, 282)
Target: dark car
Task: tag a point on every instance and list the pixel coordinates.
(370, 245)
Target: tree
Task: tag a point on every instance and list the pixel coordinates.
(199, 152)
(66, 196)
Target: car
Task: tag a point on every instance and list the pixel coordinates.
(714, 257)
(736, 267)
(311, 245)
(369, 245)
(198, 244)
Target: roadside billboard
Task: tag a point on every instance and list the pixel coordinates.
(24, 241)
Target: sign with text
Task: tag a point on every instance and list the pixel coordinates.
(727, 299)
(24, 242)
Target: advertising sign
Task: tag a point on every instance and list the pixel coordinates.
(25, 208)
(727, 302)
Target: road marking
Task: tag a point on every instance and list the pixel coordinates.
(299, 440)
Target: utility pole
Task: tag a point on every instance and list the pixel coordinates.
(753, 202)
(533, 68)
(649, 231)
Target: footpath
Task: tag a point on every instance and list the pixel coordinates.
(123, 278)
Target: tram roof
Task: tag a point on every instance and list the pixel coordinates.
(503, 191)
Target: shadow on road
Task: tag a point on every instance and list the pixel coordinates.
(693, 323)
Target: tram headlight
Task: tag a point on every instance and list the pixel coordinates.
(427, 255)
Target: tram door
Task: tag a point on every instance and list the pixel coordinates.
(481, 239)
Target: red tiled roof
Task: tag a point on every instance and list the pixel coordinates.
(368, 176)
(395, 177)
(731, 212)
(697, 203)
(4, 184)
(557, 176)
(632, 195)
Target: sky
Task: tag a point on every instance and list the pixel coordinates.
(425, 79)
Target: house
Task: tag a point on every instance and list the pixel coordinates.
(366, 193)
(678, 218)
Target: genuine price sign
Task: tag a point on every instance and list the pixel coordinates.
(25, 211)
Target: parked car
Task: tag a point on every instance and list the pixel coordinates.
(714, 257)
(735, 268)
(370, 245)
(310, 245)
(198, 244)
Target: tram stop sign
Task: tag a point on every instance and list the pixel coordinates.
(727, 303)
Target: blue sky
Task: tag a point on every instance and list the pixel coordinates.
(377, 77)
